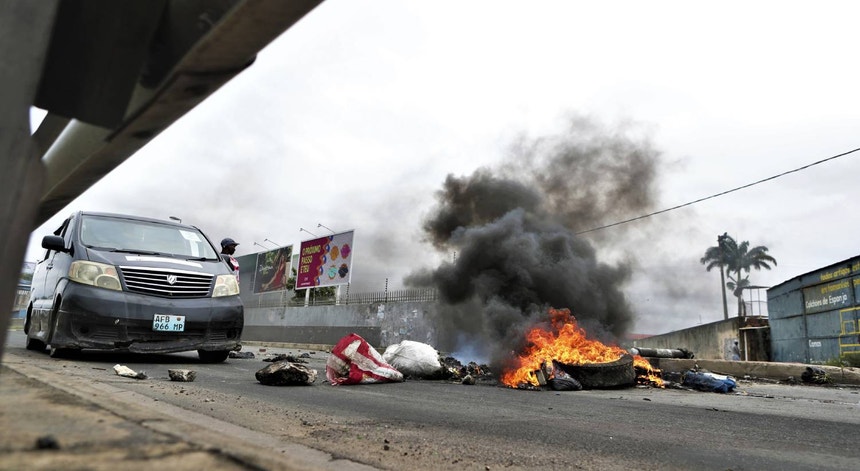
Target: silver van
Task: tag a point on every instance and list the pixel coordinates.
(126, 283)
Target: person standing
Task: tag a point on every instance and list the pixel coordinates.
(228, 248)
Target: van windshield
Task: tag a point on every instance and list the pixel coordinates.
(129, 235)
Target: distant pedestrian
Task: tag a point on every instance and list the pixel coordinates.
(736, 352)
(228, 248)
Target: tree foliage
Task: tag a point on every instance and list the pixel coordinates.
(738, 259)
(324, 292)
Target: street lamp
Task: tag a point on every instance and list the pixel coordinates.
(272, 242)
(301, 229)
(320, 225)
(176, 219)
(263, 246)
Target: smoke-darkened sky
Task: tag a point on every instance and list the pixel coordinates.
(579, 114)
(516, 232)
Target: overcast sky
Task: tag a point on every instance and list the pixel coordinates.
(354, 117)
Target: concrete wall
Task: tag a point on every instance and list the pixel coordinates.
(714, 341)
(380, 324)
(384, 324)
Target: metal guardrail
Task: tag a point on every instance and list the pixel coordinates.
(285, 298)
(22, 299)
(405, 295)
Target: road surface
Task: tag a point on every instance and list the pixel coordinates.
(442, 425)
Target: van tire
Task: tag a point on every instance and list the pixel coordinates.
(35, 345)
(64, 352)
(213, 356)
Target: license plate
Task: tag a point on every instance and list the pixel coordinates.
(168, 323)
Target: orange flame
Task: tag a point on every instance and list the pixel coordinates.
(564, 342)
(649, 376)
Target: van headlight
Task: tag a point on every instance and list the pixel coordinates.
(95, 274)
(226, 285)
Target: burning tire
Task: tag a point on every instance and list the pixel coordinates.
(619, 373)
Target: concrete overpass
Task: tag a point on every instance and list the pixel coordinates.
(112, 76)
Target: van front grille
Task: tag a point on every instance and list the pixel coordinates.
(167, 283)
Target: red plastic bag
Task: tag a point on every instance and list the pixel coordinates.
(354, 361)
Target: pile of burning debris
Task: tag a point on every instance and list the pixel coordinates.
(624, 372)
(470, 373)
(557, 356)
(561, 357)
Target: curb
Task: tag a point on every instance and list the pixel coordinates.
(287, 346)
(234, 443)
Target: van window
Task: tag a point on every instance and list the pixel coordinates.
(108, 233)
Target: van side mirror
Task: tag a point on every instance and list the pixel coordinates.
(56, 243)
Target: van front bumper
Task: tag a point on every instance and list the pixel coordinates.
(98, 318)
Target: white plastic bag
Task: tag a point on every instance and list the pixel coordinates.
(413, 358)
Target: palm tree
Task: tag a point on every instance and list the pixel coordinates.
(736, 259)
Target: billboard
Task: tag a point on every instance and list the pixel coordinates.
(325, 261)
(273, 270)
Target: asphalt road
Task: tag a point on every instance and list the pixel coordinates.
(440, 425)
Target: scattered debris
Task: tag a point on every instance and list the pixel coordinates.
(241, 355)
(285, 373)
(815, 375)
(710, 382)
(454, 370)
(468, 380)
(561, 381)
(673, 379)
(286, 357)
(662, 352)
(354, 361)
(47, 442)
(122, 370)
(413, 359)
(186, 376)
(646, 374)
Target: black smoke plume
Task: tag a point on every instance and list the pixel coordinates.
(510, 236)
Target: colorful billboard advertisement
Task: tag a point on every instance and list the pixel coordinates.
(273, 270)
(325, 261)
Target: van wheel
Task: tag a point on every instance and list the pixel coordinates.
(64, 352)
(209, 356)
(35, 344)
(32, 344)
